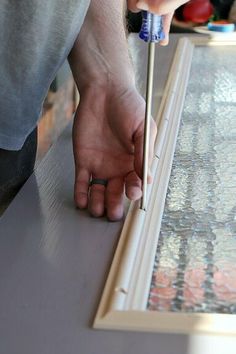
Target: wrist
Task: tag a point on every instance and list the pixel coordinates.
(102, 89)
(91, 67)
(107, 82)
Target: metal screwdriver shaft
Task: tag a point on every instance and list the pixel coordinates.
(151, 32)
(148, 112)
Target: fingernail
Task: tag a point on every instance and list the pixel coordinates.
(134, 193)
(141, 5)
(165, 41)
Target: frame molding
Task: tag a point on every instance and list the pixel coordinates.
(123, 303)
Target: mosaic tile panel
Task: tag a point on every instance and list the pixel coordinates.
(195, 264)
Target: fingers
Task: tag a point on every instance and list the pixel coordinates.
(133, 186)
(160, 7)
(111, 197)
(81, 188)
(115, 199)
(166, 28)
(86, 196)
(97, 200)
(132, 6)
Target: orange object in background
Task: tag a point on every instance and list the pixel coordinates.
(197, 11)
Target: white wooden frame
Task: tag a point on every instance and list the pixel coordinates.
(123, 303)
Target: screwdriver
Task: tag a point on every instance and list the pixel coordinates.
(151, 32)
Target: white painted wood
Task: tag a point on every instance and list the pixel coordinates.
(123, 304)
(146, 255)
(151, 321)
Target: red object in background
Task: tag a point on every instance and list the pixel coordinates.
(197, 11)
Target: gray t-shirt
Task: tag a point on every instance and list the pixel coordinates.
(36, 37)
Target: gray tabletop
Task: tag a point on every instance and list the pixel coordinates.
(54, 261)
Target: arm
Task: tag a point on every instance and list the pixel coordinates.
(100, 54)
(108, 126)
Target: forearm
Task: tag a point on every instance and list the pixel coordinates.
(100, 54)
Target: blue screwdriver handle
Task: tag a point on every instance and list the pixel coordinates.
(152, 28)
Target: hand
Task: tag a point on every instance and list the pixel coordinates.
(108, 144)
(109, 123)
(165, 8)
